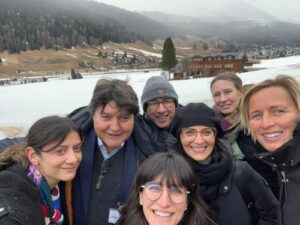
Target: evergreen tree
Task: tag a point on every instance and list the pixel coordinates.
(168, 56)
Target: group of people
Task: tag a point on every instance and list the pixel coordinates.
(105, 163)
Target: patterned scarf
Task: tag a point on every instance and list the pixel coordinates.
(50, 203)
(231, 120)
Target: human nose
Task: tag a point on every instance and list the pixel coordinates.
(223, 97)
(267, 121)
(114, 126)
(72, 156)
(198, 137)
(161, 107)
(164, 200)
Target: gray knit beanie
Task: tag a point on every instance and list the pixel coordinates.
(157, 87)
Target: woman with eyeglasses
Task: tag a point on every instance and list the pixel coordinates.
(31, 191)
(164, 193)
(234, 192)
(271, 113)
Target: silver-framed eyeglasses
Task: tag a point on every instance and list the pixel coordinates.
(205, 133)
(153, 191)
(167, 103)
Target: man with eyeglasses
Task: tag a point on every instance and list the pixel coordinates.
(159, 100)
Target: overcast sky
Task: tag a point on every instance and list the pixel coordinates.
(279, 8)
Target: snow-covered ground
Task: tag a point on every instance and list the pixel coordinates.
(21, 105)
(146, 53)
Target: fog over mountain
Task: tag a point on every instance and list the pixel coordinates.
(288, 10)
(32, 24)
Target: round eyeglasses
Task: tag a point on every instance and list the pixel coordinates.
(154, 190)
(205, 133)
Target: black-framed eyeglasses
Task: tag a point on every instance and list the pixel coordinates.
(205, 133)
(167, 103)
(153, 191)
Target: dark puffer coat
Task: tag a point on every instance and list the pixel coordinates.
(19, 198)
(223, 194)
(251, 150)
(247, 150)
(286, 161)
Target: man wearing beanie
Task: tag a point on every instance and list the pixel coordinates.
(159, 101)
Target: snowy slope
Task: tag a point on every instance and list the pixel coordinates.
(21, 105)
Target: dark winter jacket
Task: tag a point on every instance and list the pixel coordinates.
(286, 161)
(250, 150)
(147, 136)
(143, 142)
(222, 187)
(19, 198)
(162, 137)
(145, 139)
(244, 148)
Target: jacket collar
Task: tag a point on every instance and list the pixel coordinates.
(287, 155)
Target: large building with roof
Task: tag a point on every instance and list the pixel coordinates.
(211, 65)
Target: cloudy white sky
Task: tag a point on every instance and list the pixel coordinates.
(281, 9)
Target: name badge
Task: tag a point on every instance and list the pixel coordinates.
(114, 215)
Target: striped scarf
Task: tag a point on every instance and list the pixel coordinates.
(50, 203)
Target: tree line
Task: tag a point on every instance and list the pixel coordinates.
(33, 24)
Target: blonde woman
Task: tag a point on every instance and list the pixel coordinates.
(270, 112)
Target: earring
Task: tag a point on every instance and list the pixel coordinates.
(37, 172)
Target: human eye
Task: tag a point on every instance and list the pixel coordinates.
(59, 151)
(152, 103)
(105, 116)
(278, 112)
(228, 91)
(176, 190)
(207, 132)
(168, 102)
(124, 118)
(255, 116)
(77, 148)
(216, 94)
(189, 133)
(153, 187)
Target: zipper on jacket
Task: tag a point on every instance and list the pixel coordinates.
(284, 181)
